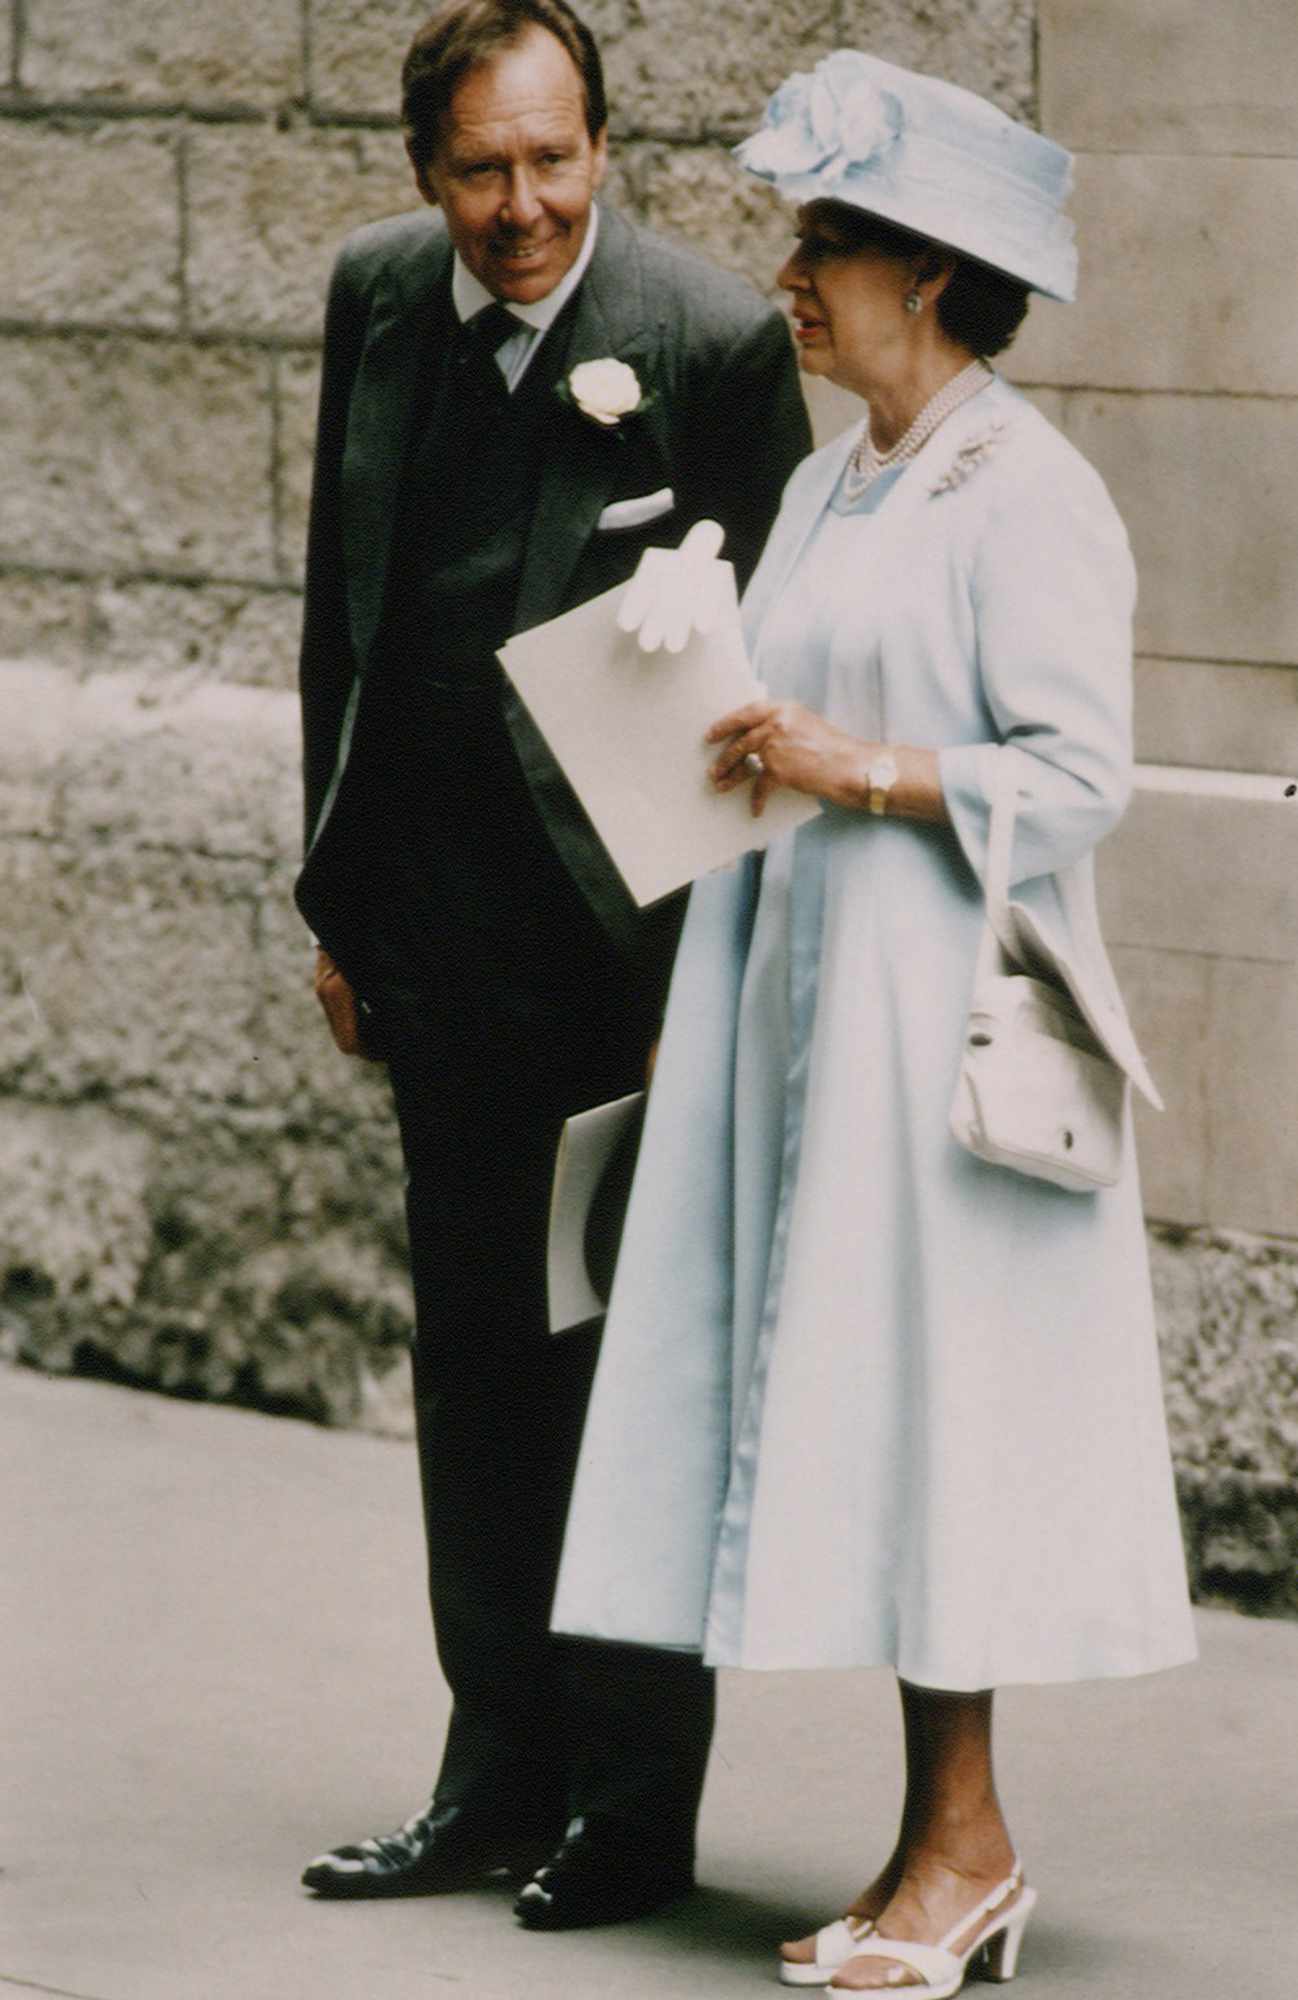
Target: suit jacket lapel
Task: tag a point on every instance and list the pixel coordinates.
(383, 412)
(577, 483)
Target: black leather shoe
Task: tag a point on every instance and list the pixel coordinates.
(441, 1848)
(602, 1874)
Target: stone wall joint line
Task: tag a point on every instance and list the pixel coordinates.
(116, 578)
(246, 339)
(22, 105)
(18, 42)
(183, 231)
(1071, 390)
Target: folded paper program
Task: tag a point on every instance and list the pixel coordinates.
(627, 728)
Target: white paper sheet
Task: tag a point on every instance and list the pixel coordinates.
(585, 1149)
(627, 728)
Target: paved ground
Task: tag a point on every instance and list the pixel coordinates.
(213, 1663)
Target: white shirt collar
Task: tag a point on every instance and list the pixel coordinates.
(469, 295)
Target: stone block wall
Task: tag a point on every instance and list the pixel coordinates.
(1177, 373)
(195, 1192)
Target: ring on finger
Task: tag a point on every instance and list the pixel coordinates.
(753, 764)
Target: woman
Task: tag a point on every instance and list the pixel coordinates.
(866, 1399)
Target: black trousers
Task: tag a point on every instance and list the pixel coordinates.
(542, 1728)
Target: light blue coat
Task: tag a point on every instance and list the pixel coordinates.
(864, 1399)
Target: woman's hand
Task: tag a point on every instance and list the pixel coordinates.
(797, 748)
(677, 592)
(800, 749)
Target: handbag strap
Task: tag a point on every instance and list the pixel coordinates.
(1000, 840)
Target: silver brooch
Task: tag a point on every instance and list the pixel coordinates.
(970, 456)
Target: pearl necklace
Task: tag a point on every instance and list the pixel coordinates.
(868, 463)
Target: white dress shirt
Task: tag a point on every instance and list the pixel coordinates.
(469, 296)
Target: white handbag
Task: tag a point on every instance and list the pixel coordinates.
(1037, 1091)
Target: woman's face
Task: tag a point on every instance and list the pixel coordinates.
(849, 313)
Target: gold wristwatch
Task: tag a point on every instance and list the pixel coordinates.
(881, 775)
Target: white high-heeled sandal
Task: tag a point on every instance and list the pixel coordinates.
(942, 1969)
(835, 1944)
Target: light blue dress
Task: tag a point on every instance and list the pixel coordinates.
(864, 1399)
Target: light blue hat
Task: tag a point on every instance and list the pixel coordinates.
(924, 154)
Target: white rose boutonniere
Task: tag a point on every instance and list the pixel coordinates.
(605, 391)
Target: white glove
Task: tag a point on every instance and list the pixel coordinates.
(676, 592)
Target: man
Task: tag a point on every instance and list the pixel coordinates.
(475, 935)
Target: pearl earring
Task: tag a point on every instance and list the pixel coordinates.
(914, 303)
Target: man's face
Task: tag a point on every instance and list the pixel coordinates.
(516, 169)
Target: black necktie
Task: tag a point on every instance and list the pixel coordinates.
(481, 339)
(492, 327)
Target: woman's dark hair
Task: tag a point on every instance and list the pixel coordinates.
(981, 308)
(463, 34)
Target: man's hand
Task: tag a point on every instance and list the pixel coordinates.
(676, 592)
(339, 1003)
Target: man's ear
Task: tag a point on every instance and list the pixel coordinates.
(599, 149)
(422, 180)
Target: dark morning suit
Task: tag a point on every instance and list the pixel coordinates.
(508, 977)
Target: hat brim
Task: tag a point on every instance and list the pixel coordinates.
(932, 220)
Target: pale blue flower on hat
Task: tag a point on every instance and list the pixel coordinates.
(868, 120)
(823, 122)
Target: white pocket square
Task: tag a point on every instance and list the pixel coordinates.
(635, 513)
